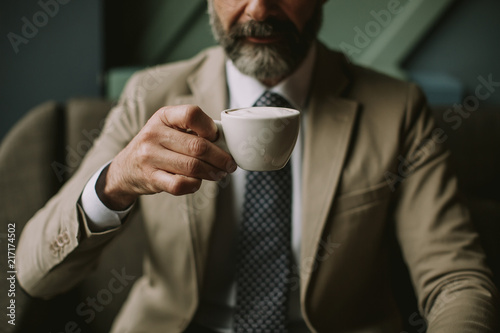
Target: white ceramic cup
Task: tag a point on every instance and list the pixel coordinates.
(259, 138)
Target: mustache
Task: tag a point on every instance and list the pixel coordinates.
(265, 28)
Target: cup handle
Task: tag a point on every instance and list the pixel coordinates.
(221, 139)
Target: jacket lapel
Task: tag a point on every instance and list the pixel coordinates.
(209, 86)
(330, 121)
(208, 91)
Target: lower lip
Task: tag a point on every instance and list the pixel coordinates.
(263, 40)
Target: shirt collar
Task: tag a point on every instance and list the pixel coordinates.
(245, 90)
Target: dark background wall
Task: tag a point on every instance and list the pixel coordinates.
(62, 59)
(464, 44)
(73, 50)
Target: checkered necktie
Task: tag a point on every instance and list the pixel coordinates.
(264, 249)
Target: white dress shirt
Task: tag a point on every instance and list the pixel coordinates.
(218, 295)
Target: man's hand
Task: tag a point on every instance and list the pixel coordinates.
(172, 153)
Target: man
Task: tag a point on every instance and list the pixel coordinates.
(360, 129)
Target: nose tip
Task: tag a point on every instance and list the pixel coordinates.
(259, 10)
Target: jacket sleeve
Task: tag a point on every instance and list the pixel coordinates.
(438, 241)
(56, 249)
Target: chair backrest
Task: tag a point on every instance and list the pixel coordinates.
(36, 157)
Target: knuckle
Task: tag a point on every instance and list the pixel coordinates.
(181, 186)
(148, 133)
(192, 166)
(197, 146)
(143, 153)
(163, 114)
(195, 186)
(191, 110)
(190, 113)
(151, 181)
(176, 187)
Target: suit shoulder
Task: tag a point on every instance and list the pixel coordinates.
(367, 80)
(174, 75)
(379, 95)
(369, 85)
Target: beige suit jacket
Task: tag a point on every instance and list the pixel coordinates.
(373, 166)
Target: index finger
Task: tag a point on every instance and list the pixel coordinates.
(189, 117)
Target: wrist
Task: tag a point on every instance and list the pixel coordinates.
(110, 193)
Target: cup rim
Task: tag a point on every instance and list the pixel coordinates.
(293, 112)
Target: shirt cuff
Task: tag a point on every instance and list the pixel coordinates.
(99, 217)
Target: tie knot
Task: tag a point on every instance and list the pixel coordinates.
(270, 98)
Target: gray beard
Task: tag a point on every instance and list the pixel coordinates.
(263, 62)
(266, 62)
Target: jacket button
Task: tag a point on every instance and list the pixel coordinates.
(60, 240)
(54, 249)
(65, 236)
